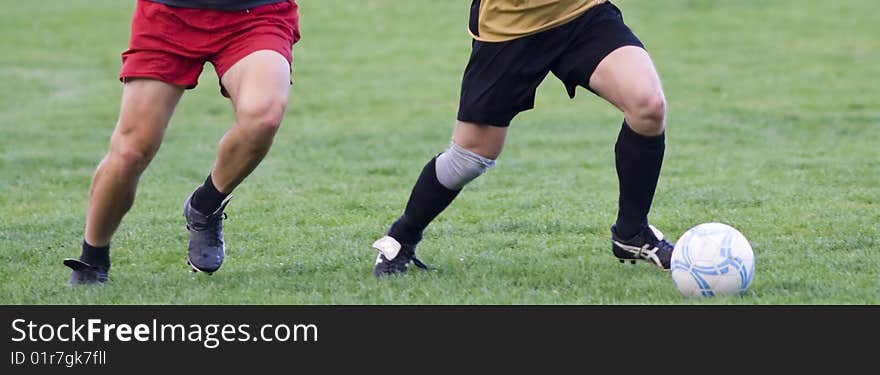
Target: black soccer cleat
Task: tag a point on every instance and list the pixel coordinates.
(647, 246)
(86, 274)
(394, 257)
(206, 246)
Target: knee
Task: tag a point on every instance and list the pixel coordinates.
(130, 158)
(648, 114)
(262, 116)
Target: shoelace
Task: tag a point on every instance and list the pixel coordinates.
(213, 220)
(419, 263)
(406, 257)
(667, 245)
(664, 245)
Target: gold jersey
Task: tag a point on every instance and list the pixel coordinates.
(502, 20)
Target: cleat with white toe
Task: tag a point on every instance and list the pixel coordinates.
(394, 257)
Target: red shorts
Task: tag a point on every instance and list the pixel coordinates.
(172, 44)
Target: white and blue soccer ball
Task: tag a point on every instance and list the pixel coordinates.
(712, 259)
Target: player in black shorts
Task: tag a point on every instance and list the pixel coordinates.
(516, 44)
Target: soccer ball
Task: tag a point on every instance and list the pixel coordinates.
(712, 259)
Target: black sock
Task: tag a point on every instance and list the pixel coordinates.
(638, 160)
(96, 256)
(207, 199)
(427, 200)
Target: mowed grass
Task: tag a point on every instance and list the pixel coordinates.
(774, 128)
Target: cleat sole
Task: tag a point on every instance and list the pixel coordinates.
(634, 261)
(631, 261)
(192, 268)
(195, 269)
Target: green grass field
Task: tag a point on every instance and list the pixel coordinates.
(774, 128)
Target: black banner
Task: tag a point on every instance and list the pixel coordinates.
(324, 338)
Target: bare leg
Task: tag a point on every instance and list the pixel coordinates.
(258, 85)
(146, 108)
(627, 79)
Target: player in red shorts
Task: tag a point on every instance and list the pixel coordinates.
(249, 43)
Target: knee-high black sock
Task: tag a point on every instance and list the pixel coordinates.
(638, 160)
(427, 200)
(207, 199)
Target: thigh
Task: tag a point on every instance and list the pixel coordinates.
(147, 106)
(258, 81)
(598, 34)
(625, 77)
(272, 27)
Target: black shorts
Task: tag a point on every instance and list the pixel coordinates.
(501, 77)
